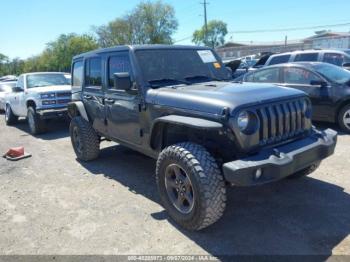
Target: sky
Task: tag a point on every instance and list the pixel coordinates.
(26, 26)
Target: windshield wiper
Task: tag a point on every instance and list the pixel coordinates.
(201, 77)
(162, 81)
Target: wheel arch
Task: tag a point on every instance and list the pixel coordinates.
(77, 108)
(30, 103)
(173, 129)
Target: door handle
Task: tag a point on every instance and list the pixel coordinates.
(109, 100)
(88, 97)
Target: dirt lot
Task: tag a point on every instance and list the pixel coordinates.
(52, 204)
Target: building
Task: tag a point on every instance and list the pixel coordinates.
(321, 39)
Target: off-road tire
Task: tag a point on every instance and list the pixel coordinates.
(208, 185)
(36, 124)
(305, 172)
(89, 149)
(10, 117)
(344, 111)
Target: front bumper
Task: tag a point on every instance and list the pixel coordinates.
(52, 113)
(282, 161)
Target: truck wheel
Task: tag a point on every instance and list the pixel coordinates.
(344, 119)
(191, 186)
(10, 118)
(36, 124)
(305, 172)
(85, 141)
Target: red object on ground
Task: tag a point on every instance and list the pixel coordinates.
(15, 152)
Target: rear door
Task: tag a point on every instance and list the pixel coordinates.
(301, 79)
(122, 108)
(93, 93)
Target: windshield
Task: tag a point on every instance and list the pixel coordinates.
(39, 80)
(7, 87)
(163, 67)
(333, 73)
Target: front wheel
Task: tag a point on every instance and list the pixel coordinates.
(36, 124)
(85, 140)
(191, 186)
(10, 117)
(344, 119)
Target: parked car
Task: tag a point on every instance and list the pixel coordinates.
(240, 66)
(38, 97)
(177, 105)
(5, 88)
(8, 78)
(335, 57)
(327, 85)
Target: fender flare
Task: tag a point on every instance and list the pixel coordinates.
(75, 107)
(190, 122)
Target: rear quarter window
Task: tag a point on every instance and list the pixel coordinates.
(307, 57)
(279, 59)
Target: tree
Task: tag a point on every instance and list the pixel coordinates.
(148, 23)
(217, 30)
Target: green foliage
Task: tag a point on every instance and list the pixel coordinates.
(217, 30)
(148, 23)
(57, 56)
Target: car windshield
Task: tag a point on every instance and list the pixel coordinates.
(162, 67)
(333, 73)
(39, 80)
(7, 87)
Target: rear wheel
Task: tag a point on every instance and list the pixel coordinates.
(344, 119)
(85, 140)
(305, 172)
(191, 186)
(36, 124)
(10, 117)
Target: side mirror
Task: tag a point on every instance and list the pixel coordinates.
(17, 89)
(319, 83)
(346, 65)
(122, 81)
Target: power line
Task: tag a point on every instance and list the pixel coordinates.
(277, 30)
(287, 29)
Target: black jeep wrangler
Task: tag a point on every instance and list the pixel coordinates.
(178, 105)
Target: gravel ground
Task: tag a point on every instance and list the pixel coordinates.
(52, 204)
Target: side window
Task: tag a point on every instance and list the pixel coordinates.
(298, 76)
(118, 64)
(270, 75)
(249, 78)
(93, 72)
(307, 57)
(333, 58)
(77, 74)
(279, 59)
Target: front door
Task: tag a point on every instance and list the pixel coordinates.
(93, 94)
(301, 79)
(122, 108)
(16, 98)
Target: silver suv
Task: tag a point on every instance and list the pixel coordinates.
(38, 97)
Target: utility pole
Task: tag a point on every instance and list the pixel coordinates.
(205, 3)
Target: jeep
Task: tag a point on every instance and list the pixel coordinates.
(38, 97)
(178, 104)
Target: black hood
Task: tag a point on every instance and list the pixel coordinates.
(212, 97)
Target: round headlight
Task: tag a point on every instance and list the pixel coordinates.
(243, 120)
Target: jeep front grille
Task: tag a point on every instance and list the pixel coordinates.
(282, 121)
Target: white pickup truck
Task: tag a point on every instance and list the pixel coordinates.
(38, 97)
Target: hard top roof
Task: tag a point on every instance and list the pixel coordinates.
(138, 47)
